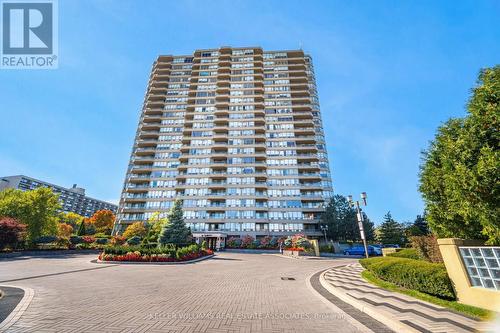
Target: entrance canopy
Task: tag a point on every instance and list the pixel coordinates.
(208, 234)
(215, 240)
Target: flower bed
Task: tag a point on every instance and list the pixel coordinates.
(296, 249)
(296, 245)
(165, 254)
(250, 243)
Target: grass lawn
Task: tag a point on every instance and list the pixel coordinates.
(468, 310)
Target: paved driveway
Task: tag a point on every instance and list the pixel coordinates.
(232, 292)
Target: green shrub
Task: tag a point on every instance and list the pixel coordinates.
(326, 248)
(46, 240)
(136, 240)
(89, 229)
(101, 241)
(120, 249)
(102, 235)
(123, 249)
(149, 245)
(169, 249)
(82, 246)
(63, 242)
(420, 275)
(406, 253)
(427, 247)
(181, 252)
(75, 240)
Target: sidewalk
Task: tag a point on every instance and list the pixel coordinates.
(399, 312)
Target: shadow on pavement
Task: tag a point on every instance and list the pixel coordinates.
(11, 297)
(66, 254)
(231, 259)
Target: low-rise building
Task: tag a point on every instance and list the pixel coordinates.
(72, 199)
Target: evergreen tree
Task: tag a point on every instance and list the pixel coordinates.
(459, 175)
(340, 219)
(175, 231)
(81, 230)
(390, 231)
(369, 228)
(419, 227)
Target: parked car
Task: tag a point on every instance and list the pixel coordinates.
(359, 250)
(391, 245)
(378, 249)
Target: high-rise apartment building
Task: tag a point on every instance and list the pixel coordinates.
(236, 133)
(72, 199)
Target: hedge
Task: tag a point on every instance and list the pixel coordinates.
(101, 241)
(426, 277)
(46, 240)
(134, 240)
(406, 253)
(76, 240)
(169, 249)
(121, 250)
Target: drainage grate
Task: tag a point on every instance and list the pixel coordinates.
(287, 278)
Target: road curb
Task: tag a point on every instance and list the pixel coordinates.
(14, 316)
(378, 315)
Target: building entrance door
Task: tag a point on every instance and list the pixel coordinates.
(215, 241)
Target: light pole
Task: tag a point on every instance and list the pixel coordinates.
(360, 217)
(324, 228)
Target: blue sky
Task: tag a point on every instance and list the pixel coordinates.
(388, 73)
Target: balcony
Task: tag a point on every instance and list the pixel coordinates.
(217, 193)
(316, 184)
(142, 168)
(149, 158)
(138, 188)
(217, 205)
(136, 196)
(140, 176)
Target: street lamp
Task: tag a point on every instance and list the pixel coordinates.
(360, 217)
(324, 228)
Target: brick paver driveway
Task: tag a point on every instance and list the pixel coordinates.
(232, 292)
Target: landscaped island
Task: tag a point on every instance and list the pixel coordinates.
(167, 253)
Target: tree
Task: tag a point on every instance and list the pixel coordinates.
(342, 222)
(419, 227)
(64, 230)
(390, 231)
(175, 231)
(460, 171)
(81, 229)
(38, 209)
(154, 226)
(135, 229)
(340, 219)
(73, 219)
(369, 228)
(103, 220)
(11, 232)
